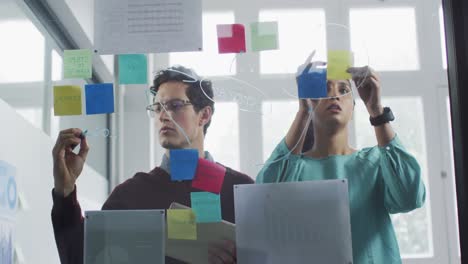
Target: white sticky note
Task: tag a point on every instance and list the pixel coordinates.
(147, 26)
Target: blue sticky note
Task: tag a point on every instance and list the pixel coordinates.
(183, 164)
(312, 84)
(133, 69)
(99, 98)
(207, 207)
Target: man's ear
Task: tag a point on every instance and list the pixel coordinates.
(205, 115)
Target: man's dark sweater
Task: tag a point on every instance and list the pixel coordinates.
(153, 190)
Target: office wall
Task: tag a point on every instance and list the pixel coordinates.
(29, 150)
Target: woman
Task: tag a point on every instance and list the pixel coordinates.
(382, 180)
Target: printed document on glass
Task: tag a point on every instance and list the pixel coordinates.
(124, 236)
(298, 222)
(147, 26)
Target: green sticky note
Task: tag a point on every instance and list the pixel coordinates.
(181, 224)
(207, 207)
(133, 69)
(264, 35)
(77, 64)
(338, 62)
(67, 100)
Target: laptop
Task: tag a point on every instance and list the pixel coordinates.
(297, 222)
(124, 236)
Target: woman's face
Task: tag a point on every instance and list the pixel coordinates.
(337, 109)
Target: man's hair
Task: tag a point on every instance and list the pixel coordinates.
(199, 92)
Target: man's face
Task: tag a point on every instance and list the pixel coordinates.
(171, 136)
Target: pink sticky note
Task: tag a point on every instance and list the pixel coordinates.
(231, 38)
(209, 176)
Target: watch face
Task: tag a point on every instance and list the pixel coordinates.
(386, 117)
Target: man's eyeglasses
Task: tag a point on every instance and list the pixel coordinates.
(174, 105)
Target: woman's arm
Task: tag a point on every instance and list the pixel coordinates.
(401, 173)
(368, 85)
(295, 136)
(403, 188)
(296, 133)
(384, 133)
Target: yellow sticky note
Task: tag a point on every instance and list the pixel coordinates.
(338, 62)
(67, 100)
(181, 224)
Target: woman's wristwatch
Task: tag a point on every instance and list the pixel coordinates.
(384, 118)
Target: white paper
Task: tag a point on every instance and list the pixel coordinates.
(147, 26)
(124, 236)
(303, 222)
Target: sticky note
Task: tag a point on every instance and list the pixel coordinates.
(209, 176)
(77, 64)
(338, 62)
(67, 100)
(99, 98)
(264, 35)
(231, 38)
(312, 84)
(183, 163)
(133, 69)
(207, 207)
(181, 224)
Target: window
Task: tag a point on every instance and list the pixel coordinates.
(209, 62)
(442, 38)
(33, 115)
(452, 167)
(276, 119)
(300, 32)
(222, 138)
(391, 43)
(56, 66)
(414, 229)
(21, 50)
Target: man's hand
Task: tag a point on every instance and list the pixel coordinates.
(68, 165)
(223, 252)
(368, 85)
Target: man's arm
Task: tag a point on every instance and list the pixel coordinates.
(66, 215)
(67, 223)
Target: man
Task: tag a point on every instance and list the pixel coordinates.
(183, 107)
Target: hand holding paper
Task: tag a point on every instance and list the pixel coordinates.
(224, 250)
